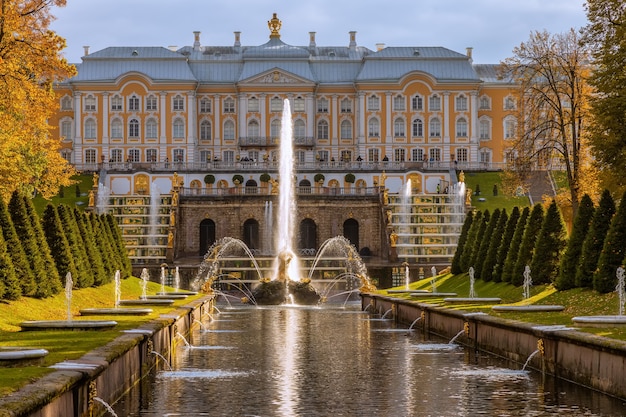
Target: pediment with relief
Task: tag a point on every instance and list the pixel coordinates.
(276, 77)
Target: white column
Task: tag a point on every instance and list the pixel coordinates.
(474, 143)
(217, 111)
(192, 127)
(361, 120)
(263, 112)
(163, 126)
(105, 117)
(78, 136)
(445, 127)
(242, 114)
(334, 120)
(310, 115)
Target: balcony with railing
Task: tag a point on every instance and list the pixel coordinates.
(266, 191)
(273, 142)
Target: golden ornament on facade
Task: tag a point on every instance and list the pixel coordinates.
(274, 25)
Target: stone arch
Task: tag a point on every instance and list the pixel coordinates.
(207, 235)
(251, 235)
(351, 232)
(307, 236)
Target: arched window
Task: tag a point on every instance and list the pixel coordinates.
(304, 187)
(253, 105)
(351, 232)
(178, 103)
(133, 128)
(418, 128)
(417, 103)
(398, 128)
(461, 103)
(308, 234)
(484, 103)
(484, 129)
(510, 125)
(229, 130)
(434, 103)
(178, 128)
(374, 127)
(275, 129)
(229, 105)
(253, 129)
(90, 129)
(207, 235)
(322, 129)
(346, 105)
(66, 130)
(373, 103)
(117, 130)
(398, 103)
(251, 234)
(152, 129)
(205, 130)
(299, 128)
(205, 105)
(66, 103)
(434, 128)
(346, 129)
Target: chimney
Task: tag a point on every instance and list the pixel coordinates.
(312, 40)
(352, 40)
(468, 52)
(380, 46)
(196, 40)
(237, 39)
(86, 49)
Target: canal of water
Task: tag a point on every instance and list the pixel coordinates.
(340, 361)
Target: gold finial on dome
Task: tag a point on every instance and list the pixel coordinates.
(274, 26)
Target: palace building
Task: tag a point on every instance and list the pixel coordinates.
(200, 125)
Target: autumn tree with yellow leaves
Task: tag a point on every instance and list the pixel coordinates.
(30, 63)
(553, 109)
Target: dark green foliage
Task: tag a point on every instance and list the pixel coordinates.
(612, 256)
(485, 242)
(24, 229)
(125, 265)
(116, 259)
(595, 240)
(103, 245)
(571, 258)
(505, 244)
(77, 190)
(9, 284)
(16, 251)
(84, 276)
(494, 245)
(456, 260)
(59, 246)
(479, 239)
(550, 243)
(53, 278)
(93, 253)
(516, 241)
(527, 247)
(466, 256)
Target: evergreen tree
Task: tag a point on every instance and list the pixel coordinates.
(24, 230)
(516, 241)
(10, 288)
(53, 277)
(83, 277)
(486, 242)
(466, 256)
(16, 251)
(456, 260)
(571, 258)
(116, 260)
(479, 240)
(505, 244)
(94, 255)
(550, 243)
(59, 246)
(125, 266)
(595, 240)
(612, 256)
(494, 244)
(102, 245)
(527, 247)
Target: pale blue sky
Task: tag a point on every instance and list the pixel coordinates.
(492, 27)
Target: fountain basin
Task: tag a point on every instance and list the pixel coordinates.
(67, 325)
(148, 302)
(408, 292)
(529, 308)
(163, 296)
(185, 293)
(472, 300)
(13, 356)
(433, 294)
(601, 321)
(115, 311)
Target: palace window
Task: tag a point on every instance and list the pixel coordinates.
(151, 129)
(90, 129)
(461, 103)
(399, 103)
(133, 103)
(399, 128)
(509, 103)
(90, 103)
(178, 128)
(434, 103)
(373, 128)
(461, 127)
(322, 156)
(133, 155)
(276, 104)
(205, 130)
(205, 156)
(418, 128)
(117, 130)
(151, 155)
(417, 154)
(399, 155)
(322, 105)
(253, 105)
(229, 105)
(178, 103)
(229, 130)
(66, 103)
(484, 129)
(417, 103)
(484, 103)
(66, 129)
(461, 155)
(275, 129)
(298, 105)
(253, 129)
(151, 103)
(373, 103)
(434, 154)
(179, 155)
(434, 128)
(205, 105)
(116, 103)
(510, 126)
(373, 155)
(133, 128)
(299, 128)
(90, 156)
(346, 105)
(116, 156)
(346, 129)
(346, 156)
(322, 129)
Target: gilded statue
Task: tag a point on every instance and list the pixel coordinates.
(91, 198)
(461, 176)
(274, 186)
(172, 217)
(170, 239)
(96, 178)
(393, 239)
(175, 198)
(274, 25)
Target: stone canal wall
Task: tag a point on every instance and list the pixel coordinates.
(107, 372)
(593, 361)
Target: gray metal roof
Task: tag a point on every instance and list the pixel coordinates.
(323, 65)
(489, 73)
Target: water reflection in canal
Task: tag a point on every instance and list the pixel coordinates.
(283, 361)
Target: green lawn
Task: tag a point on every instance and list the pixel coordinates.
(68, 195)
(485, 181)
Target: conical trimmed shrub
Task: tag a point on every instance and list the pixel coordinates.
(612, 256)
(550, 243)
(486, 242)
(516, 241)
(10, 288)
(16, 252)
(59, 246)
(526, 249)
(505, 244)
(468, 248)
(494, 245)
(93, 254)
(456, 260)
